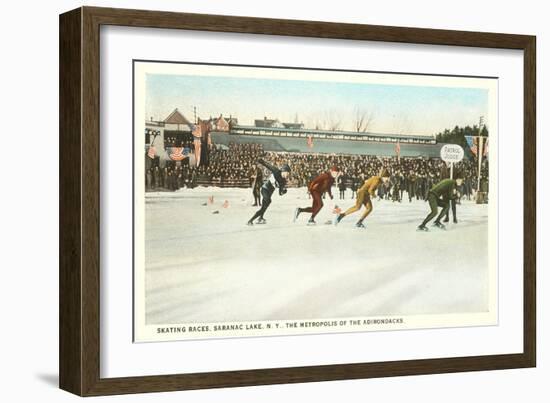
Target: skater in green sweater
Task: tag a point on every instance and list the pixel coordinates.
(439, 196)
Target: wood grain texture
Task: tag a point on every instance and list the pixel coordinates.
(70, 273)
(316, 29)
(90, 202)
(530, 202)
(80, 196)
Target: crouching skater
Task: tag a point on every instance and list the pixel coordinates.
(441, 195)
(277, 179)
(317, 188)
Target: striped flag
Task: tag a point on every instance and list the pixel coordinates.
(197, 143)
(472, 143)
(151, 152)
(176, 154)
(310, 141)
(196, 131)
(398, 151)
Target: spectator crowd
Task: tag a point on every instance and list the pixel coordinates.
(236, 166)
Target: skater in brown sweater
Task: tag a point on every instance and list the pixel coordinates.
(318, 186)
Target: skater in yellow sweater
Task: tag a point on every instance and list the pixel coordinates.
(364, 195)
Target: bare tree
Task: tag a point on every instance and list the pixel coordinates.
(401, 124)
(333, 119)
(362, 120)
(310, 121)
(317, 122)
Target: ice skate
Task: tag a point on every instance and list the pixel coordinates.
(250, 223)
(338, 219)
(422, 228)
(360, 225)
(311, 222)
(438, 225)
(296, 214)
(261, 221)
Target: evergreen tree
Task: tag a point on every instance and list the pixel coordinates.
(457, 136)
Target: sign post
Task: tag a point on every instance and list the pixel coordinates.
(452, 153)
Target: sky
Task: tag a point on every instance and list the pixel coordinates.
(396, 109)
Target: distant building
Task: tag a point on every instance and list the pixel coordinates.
(154, 132)
(293, 125)
(232, 121)
(265, 122)
(177, 122)
(220, 124)
(173, 131)
(212, 122)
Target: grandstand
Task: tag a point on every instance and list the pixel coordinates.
(319, 141)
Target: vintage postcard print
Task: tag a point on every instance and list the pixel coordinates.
(282, 201)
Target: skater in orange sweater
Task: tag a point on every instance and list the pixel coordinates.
(364, 195)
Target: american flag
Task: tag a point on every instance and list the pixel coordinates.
(176, 154)
(472, 143)
(310, 141)
(151, 152)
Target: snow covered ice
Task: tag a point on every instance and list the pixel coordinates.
(205, 267)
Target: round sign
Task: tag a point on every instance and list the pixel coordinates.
(452, 153)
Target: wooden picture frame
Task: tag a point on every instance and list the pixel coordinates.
(79, 348)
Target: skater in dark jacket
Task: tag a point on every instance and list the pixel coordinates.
(453, 209)
(411, 185)
(354, 186)
(440, 195)
(277, 179)
(257, 182)
(445, 173)
(342, 179)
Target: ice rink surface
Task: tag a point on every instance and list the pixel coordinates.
(206, 267)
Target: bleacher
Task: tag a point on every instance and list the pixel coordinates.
(329, 146)
(203, 180)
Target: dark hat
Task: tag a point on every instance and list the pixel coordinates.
(384, 173)
(285, 168)
(458, 174)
